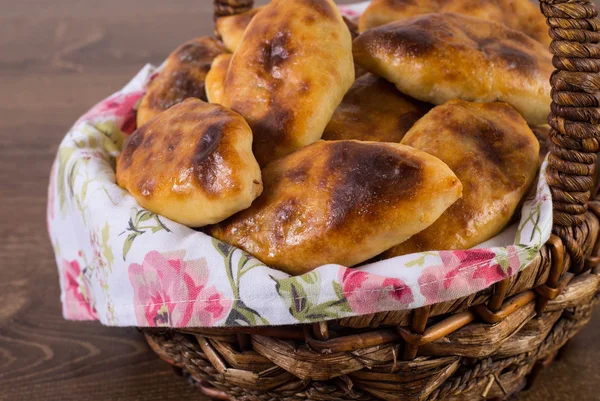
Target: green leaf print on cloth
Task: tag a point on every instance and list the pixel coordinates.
(140, 222)
(241, 315)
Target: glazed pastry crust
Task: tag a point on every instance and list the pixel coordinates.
(439, 57)
(493, 152)
(340, 202)
(231, 28)
(192, 164)
(215, 79)
(520, 15)
(374, 110)
(289, 73)
(182, 77)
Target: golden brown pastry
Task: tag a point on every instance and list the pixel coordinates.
(440, 57)
(192, 164)
(374, 110)
(182, 77)
(542, 133)
(289, 73)
(493, 152)
(520, 15)
(215, 79)
(340, 202)
(231, 28)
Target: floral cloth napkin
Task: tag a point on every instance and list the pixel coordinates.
(126, 266)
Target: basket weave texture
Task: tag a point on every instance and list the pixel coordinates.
(485, 346)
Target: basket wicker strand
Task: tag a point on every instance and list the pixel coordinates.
(485, 346)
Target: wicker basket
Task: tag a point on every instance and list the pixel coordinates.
(485, 346)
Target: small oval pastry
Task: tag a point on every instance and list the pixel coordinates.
(435, 58)
(289, 73)
(374, 110)
(215, 79)
(340, 202)
(182, 77)
(520, 15)
(493, 152)
(192, 164)
(231, 28)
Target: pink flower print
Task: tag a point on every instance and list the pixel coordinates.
(482, 264)
(368, 293)
(77, 302)
(437, 282)
(169, 291)
(120, 107)
(464, 272)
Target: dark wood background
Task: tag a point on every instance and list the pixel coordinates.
(57, 58)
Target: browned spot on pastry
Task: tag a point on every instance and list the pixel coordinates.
(209, 141)
(183, 86)
(283, 214)
(323, 8)
(413, 41)
(194, 52)
(368, 183)
(273, 126)
(173, 140)
(273, 54)
(309, 19)
(286, 211)
(131, 144)
(516, 59)
(146, 187)
(304, 87)
(205, 159)
(299, 173)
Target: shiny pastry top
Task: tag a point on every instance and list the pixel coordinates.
(439, 57)
(182, 77)
(520, 15)
(374, 110)
(193, 163)
(493, 152)
(340, 202)
(289, 73)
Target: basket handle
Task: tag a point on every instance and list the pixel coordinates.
(574, 115)
(231, 7)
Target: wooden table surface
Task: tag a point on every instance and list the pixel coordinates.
(57, 58)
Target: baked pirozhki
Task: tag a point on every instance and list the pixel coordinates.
(289, 73)
(520, 15)
(494, 154)
(182, 77)
(439, 57)
(374, 110)
(340, 202)
(193, 164)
